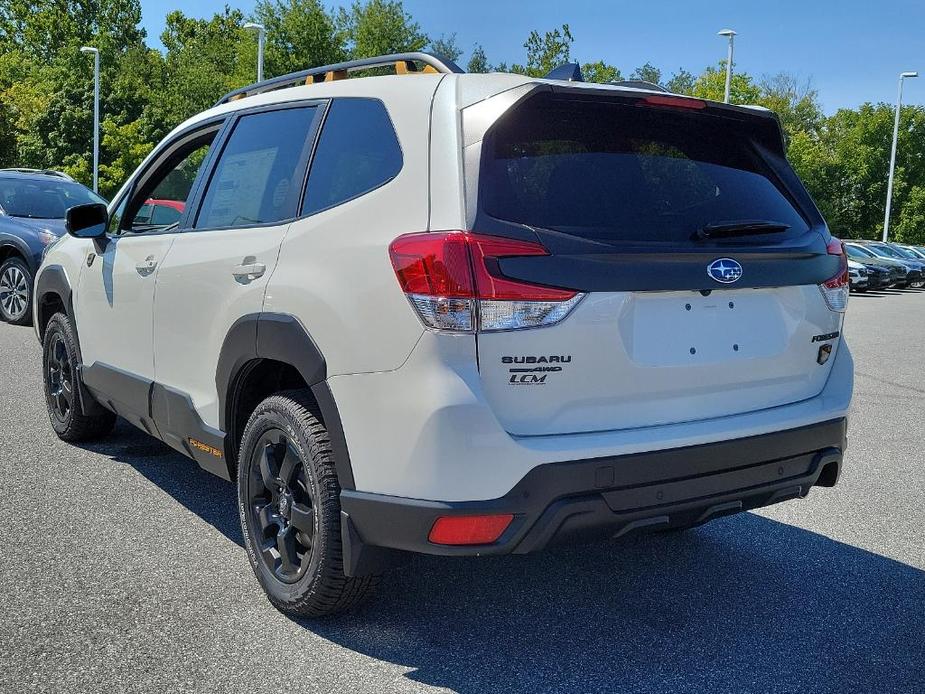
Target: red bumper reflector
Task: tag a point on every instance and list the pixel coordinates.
(469, 530)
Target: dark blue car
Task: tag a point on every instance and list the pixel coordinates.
(33, 205)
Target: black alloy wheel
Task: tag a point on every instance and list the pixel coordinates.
(59, 377)
(75, 416)
(289, 503)
(281, 506)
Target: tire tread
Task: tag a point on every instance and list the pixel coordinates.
(332, 591)
(81, 427)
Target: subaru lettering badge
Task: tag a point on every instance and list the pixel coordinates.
(725, 270)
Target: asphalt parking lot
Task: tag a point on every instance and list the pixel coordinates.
(121, 569)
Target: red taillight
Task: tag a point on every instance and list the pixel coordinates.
(672, 102)
(840, 278)
(463, 264)
(469, 530)
(835, 289)
(454, 281)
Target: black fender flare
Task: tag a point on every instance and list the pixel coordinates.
(21, 248)
(53, 280)
(280, 337)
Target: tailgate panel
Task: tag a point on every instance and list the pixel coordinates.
(626, 360)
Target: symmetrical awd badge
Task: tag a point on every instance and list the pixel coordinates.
(536, 368)
(725, 270)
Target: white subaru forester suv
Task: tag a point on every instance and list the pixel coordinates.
(457, 314)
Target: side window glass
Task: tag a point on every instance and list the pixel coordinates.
(165, 214)
(143, 216)
(116, 218)
(357, 152)
(170, 186)
(258, 177)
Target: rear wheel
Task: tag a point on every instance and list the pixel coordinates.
(15, 291)
(289, 503)
(59, 369)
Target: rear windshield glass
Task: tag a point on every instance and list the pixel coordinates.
(622, 173)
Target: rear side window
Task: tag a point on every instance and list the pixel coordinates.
(258, 177)
(357, 152)
(164, 214)
(621, 173)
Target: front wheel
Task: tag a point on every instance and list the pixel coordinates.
(15, 292)
(59, 369)
(289, 503)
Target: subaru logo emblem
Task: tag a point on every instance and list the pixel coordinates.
(725, 270)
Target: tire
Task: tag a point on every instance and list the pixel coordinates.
(289, 504)
(60, 358)
(15, 291)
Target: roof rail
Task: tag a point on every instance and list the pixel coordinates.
(403, 63)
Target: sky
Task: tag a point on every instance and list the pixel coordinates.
(852, 50)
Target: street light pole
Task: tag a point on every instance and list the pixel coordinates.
(261, 38)
(889, 185)
(730, 34)
(96, 114)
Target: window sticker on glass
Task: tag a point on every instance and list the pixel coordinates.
(240, 174)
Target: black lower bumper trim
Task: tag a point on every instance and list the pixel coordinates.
(614, 496)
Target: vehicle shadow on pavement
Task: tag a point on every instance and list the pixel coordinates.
(742, 604)
(209, 497)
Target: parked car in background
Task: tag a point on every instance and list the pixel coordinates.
(157, 212)
(917, 252)
(47, 172)
(916, 276)
(32, 209)
(908, 254)
(857, 276)
(878, 277)
(899, 272)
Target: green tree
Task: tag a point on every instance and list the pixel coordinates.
(711, 84)
(446, 46)
(478, 61)
(681, 82)
(299, 34)
(124, 147)
(647, 73)
(795, 102)
(910, 227)
(546, 52)
(379, 27)
(600, 72)
(205, 58)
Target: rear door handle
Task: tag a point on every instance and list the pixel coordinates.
(147, 266)
(249, 270)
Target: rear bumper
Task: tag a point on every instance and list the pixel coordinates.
(611, 496)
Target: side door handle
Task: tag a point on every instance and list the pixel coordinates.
(248, 270)
(146, 266)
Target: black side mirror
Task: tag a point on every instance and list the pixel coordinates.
(87, 221)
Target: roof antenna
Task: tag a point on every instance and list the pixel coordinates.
(570, 72)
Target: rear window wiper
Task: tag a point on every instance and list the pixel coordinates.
(741, 227)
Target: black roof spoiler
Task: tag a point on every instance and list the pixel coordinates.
(570, 72)
(404, 63)
(640, 84)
